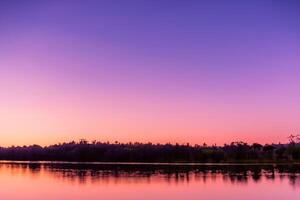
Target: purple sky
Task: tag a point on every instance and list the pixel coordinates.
(179, 71)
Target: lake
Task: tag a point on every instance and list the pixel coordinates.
(91, 181)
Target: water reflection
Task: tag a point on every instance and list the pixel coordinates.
(111, 173)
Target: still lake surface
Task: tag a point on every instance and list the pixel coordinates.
(91, 181)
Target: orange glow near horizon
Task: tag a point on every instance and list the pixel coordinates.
(53, 116)
(49, 117)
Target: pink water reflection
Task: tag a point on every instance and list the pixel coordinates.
(43, 182)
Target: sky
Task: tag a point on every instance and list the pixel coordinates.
(149, 71)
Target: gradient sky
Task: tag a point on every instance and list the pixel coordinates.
(162, 71)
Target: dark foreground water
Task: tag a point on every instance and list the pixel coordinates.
(71, 181)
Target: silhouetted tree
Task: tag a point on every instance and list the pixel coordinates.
(148, 152)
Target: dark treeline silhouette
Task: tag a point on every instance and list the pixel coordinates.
(85, 151)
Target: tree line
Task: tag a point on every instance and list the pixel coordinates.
(95, 151)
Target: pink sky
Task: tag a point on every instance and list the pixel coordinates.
(187, 72)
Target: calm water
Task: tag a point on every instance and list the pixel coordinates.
(86, 181)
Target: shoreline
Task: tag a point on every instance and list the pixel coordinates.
(149, 163)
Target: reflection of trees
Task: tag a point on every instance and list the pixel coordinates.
(234, 174)
(256, 175)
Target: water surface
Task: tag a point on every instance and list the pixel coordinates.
(72, 181)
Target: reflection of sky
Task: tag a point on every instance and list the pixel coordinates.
(192, 71)
(38, 181)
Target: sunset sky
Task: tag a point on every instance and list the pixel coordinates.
(192, 71)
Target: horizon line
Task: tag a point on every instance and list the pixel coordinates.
(85, 141)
